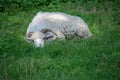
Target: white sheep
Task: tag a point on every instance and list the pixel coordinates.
(47, 26)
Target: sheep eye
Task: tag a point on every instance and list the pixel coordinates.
(45, 38)
(32, 41)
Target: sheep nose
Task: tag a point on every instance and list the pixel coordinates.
(39, 43)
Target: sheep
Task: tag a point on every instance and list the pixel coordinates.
(47, 26)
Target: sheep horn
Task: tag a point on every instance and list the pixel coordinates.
(47, 30)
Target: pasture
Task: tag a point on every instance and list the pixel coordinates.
(95, 58)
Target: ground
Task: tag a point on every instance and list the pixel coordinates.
(96, 58)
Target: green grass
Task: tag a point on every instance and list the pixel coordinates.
(96, 58)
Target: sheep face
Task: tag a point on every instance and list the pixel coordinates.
(39, 38)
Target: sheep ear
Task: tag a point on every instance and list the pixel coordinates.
(29, 39)
(28, 36)
(48, 37)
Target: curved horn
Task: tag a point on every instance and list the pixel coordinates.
(29, 34)
(47, 30)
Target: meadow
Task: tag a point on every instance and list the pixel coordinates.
(96, 58)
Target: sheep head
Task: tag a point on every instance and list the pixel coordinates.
(39, 37)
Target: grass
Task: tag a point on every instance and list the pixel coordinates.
(96, 58)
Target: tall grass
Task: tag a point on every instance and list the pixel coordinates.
(96, 58)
